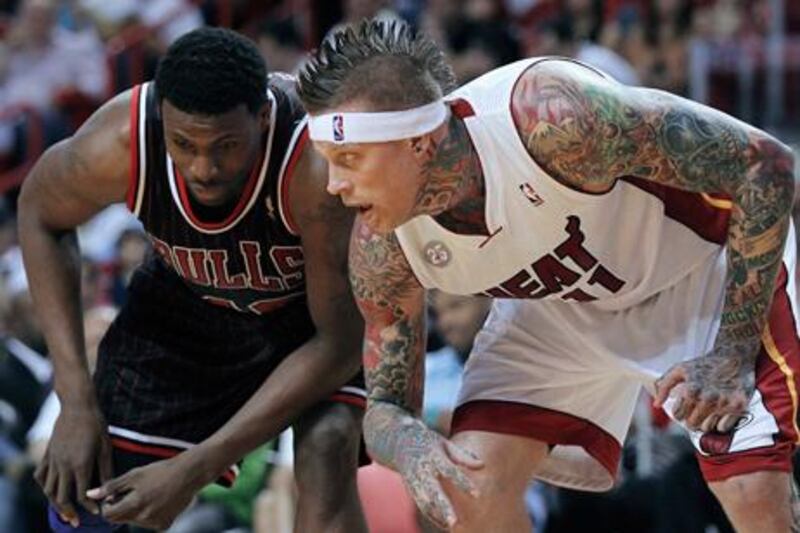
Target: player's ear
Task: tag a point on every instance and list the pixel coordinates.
(422, 146)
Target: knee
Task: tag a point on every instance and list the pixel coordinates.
(756, 490)
(330, 437)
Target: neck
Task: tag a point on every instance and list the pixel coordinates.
(453, 172)
(454, 191)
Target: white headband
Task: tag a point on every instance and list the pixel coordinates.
(377, 127)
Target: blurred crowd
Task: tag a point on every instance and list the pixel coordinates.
(59, 59)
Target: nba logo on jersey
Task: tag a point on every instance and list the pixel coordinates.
(338, 128)
(531, 194)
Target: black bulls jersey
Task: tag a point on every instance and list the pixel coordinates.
(252, 261)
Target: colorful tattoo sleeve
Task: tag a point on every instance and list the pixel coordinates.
(587, 131)
(392, 302)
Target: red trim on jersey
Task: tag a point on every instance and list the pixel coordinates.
(297, 150)
(461, 108)
(247, 194)
(164, 452)
(133, 176)
(771, 382)
(351, 399)
(770, 379)
(540, 423)
(719, 468)
(690, 209)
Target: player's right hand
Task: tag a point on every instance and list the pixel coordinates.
(78, 446)
(425, 459)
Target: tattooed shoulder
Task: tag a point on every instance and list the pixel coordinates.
(587, 130)
(555, 118)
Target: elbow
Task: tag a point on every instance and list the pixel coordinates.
(774, 170)
(27, 209)
(787, 175)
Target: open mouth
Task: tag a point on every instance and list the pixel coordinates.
(364, 208)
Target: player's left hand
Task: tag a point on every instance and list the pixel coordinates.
(710, 393)
(151, 496)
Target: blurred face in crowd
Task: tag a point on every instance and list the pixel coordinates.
(37, 18)
(96, 322)
(132, 246)
(214, 153)
(459, 318)
(279, 57)
(23, 322)
(361, 9)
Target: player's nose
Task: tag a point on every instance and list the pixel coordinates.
(204, 168)
(337, 184)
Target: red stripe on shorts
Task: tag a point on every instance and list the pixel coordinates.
(777, 379)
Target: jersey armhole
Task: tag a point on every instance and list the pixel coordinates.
(299, 141)
(133, 196)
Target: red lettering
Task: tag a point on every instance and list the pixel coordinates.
(496, 292)
(195, 270)
(554, 275)
(252, 252)
(289, 261)
(573, 246)
(222, 302)
(222, 280)
(261, 307)
(606, 279)
(579, 296)
(163, 250)
(521, 285)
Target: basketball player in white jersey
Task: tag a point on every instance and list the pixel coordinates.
(632, 238)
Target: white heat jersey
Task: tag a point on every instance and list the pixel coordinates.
(546, 240)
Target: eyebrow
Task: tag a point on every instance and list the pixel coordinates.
(230, 136)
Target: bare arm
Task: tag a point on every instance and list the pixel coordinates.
(393, 304)
(588, 131)
(72, 181)
(326, 361)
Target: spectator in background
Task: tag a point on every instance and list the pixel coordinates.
(168, 18)
(45, 65)
(46, 60)
(280, 45)
(132, 248)
(557, 38)
(356, 10)
(457, 319)
(24, 380)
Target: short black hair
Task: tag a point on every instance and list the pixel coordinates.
(382, 62)
(210, 71)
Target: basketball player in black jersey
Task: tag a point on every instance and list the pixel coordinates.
(239, 324)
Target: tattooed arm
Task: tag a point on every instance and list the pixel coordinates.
(587, 131)
(393, 305)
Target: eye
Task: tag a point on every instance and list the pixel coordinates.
(181, 144)
(347, 159)
(228, 145)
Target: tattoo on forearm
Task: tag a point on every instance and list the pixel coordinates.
(391, 301)
(587, 132)
(393, 435)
